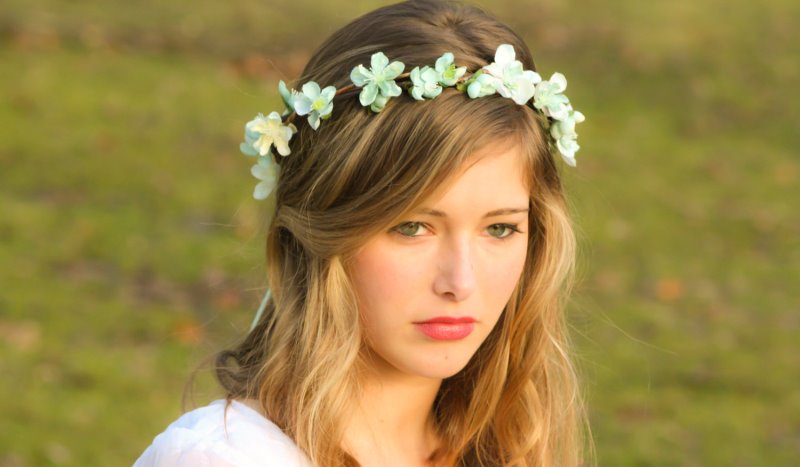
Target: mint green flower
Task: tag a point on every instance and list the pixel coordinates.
(514, 81)
(425, 83)
(261, 133)
(548, 97)
(563, 132)
(481, 84)
(314, 103)
(377, 81)
(265, 170)
(447, 71)
(428, 82)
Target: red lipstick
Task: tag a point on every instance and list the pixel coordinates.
(446, 328)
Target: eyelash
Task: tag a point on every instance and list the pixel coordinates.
(509, 229)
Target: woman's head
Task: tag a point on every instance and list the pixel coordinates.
(363, 174)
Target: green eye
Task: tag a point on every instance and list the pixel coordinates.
(409, 229)
(501, 230)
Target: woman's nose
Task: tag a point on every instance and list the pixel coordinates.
(455, 278)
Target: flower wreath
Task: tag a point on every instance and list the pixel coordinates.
(504, 76)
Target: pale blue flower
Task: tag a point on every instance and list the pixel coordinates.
(425, 83)
(261, 133)
(265, 170)
(428, 82)
(563, 132)
(482, 84)
(377, 81)
(316, 103)
(288, 96)
(447, 71)
(515, 82)
(548, 97)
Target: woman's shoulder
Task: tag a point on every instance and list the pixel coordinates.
(222, 434)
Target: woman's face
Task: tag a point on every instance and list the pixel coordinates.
(432, 287)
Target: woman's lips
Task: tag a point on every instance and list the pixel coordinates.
(446, 328)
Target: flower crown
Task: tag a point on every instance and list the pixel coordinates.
(504, 76)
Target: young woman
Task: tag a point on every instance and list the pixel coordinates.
(417, 260)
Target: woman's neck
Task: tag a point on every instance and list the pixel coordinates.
(393, 423)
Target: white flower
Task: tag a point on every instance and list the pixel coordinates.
(377, 81)
(514, 81)
(316, 103)
(261, 133)
(563, 132)
(265, 170)
(548, 97)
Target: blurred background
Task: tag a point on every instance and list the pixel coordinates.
(131, 250)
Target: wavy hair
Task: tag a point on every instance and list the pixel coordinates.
(517, 400)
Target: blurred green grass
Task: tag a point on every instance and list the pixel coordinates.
(130, 250)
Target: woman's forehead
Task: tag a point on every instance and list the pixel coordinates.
(493, 178)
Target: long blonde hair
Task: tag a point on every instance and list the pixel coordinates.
(516, 402)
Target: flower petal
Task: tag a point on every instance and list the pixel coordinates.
(532, 76)
(416, 77)
(432, 93)
(474, 90)
(378, 62)
(368, 94)
(558, 108)
(393, 70)
(313, 120)
(523, 91)
(286, 95)
(429, 75)
(444, 61)
(311, 90)
(390, 89)
(262, 171)
(286, 132)
(568, 148)
(504, 54)
(560, 82)
(263, 145)
(283, 147)
(360, 76)
(263, 190)
(379, 103)
(248, 149)
(326, 111)
(302, 104)
(328, 93)
(513, 70)
(503, 90)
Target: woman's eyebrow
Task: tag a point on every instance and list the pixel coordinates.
(505, 211)
(494, 213)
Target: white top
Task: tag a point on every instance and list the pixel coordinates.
(211, 436)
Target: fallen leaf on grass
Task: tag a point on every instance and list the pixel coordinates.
(188, 332)
(669, 289)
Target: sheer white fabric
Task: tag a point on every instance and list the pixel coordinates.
(211, 437)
